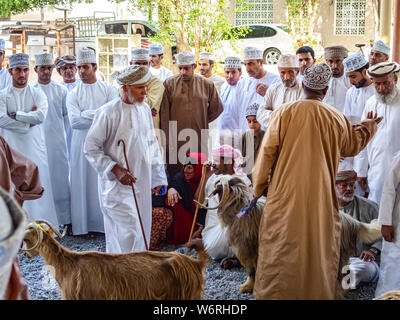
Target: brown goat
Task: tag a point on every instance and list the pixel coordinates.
(242, 232)
(130, 276)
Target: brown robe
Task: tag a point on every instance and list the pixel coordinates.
(193, 104)
(299, 235)
(21, 175)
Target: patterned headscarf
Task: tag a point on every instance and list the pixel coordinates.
(228, 151)
(346, 176)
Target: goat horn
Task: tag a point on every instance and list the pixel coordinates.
(51, 227)
(39, 233)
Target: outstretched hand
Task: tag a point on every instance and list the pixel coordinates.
(371, 116)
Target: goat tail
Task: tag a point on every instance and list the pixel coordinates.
(369, 232)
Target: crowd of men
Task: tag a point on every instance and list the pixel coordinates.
(289, 133)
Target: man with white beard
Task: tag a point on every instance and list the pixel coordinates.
(54, 130)
(339, 83)
(82, 104)
(23, 109)
(128, 118)
(361, 90)
(279, 93)
(374, 161)
(363, 266)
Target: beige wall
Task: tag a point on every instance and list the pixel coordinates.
(326, 24)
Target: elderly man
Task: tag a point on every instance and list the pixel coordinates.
(226, 161)
(206, 65)
(189, 104)
(54, 131)
(252, 89)
(389, 218)
(23, 109)
(361, 90)
(5, 78)
(363, 267)
(300, 229)
(82, 104)
(155, 88)
(127, 118)
(339, 83)
(156, 56)
(230, 117)
(374, 161)
(306, 58)
(288, 90)
(379, 53)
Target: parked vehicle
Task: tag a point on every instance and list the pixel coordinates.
(272, 39)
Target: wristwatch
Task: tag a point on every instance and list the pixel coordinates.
(374, 251)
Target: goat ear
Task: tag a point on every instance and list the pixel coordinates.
(218, 190)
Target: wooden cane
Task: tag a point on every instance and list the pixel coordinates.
(202, 181)
(134, 193)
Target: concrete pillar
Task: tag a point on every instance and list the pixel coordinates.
(385, 21)
(396, 32)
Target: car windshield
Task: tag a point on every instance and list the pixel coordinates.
(284, 28)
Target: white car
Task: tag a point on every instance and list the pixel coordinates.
(272, 39)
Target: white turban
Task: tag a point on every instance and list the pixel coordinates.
(206, 56)
(383, 69)
(252, 53)
(317, 76)
(185, 58)
(354, 62)
(19, 59)
(140, 54)
(288, 61)
(155, 48)
(133, 74)
(86, 55)
(44, 59)
(232, 62)
(381, 47)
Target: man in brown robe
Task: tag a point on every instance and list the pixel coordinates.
(300, 227)
(190, 102)
(20, 177)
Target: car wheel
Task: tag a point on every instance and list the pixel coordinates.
(271, 56)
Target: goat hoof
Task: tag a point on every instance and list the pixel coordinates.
(246, 288)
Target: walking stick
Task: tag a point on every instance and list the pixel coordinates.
(133, 191)
(202, 181)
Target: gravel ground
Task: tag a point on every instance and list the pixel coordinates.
(220, 284)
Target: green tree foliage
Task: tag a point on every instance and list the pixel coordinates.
(194, 25)
(302, 16)
(8, 7)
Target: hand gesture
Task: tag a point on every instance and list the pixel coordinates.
(123, 175)
(367, 256)
(261, 89)
(173, 197)
(363, 182)
(370, 115)
(388, 233)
